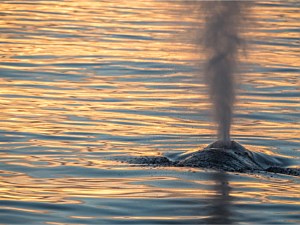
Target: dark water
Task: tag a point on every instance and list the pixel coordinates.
(85, 81)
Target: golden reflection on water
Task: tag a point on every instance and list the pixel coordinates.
(66, 190)
(24, 188)
(69, 93)
(67, 115)
(97, 34)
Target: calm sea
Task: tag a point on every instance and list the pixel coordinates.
(85, 81)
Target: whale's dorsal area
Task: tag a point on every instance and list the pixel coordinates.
(227, 157)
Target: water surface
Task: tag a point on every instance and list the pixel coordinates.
(85, 81)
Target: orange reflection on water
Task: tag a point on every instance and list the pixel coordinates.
(265, 192)
(63, 38)
(65, 190)
(82, 34)
(85, 78)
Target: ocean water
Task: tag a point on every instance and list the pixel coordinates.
(84, 82)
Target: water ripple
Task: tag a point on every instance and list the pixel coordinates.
(83, 82)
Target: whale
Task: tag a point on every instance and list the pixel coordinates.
(231, 157)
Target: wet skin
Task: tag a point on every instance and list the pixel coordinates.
(231, 157)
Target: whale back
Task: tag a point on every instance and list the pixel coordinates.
(230, 157)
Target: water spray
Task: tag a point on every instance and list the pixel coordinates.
(221, 43)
